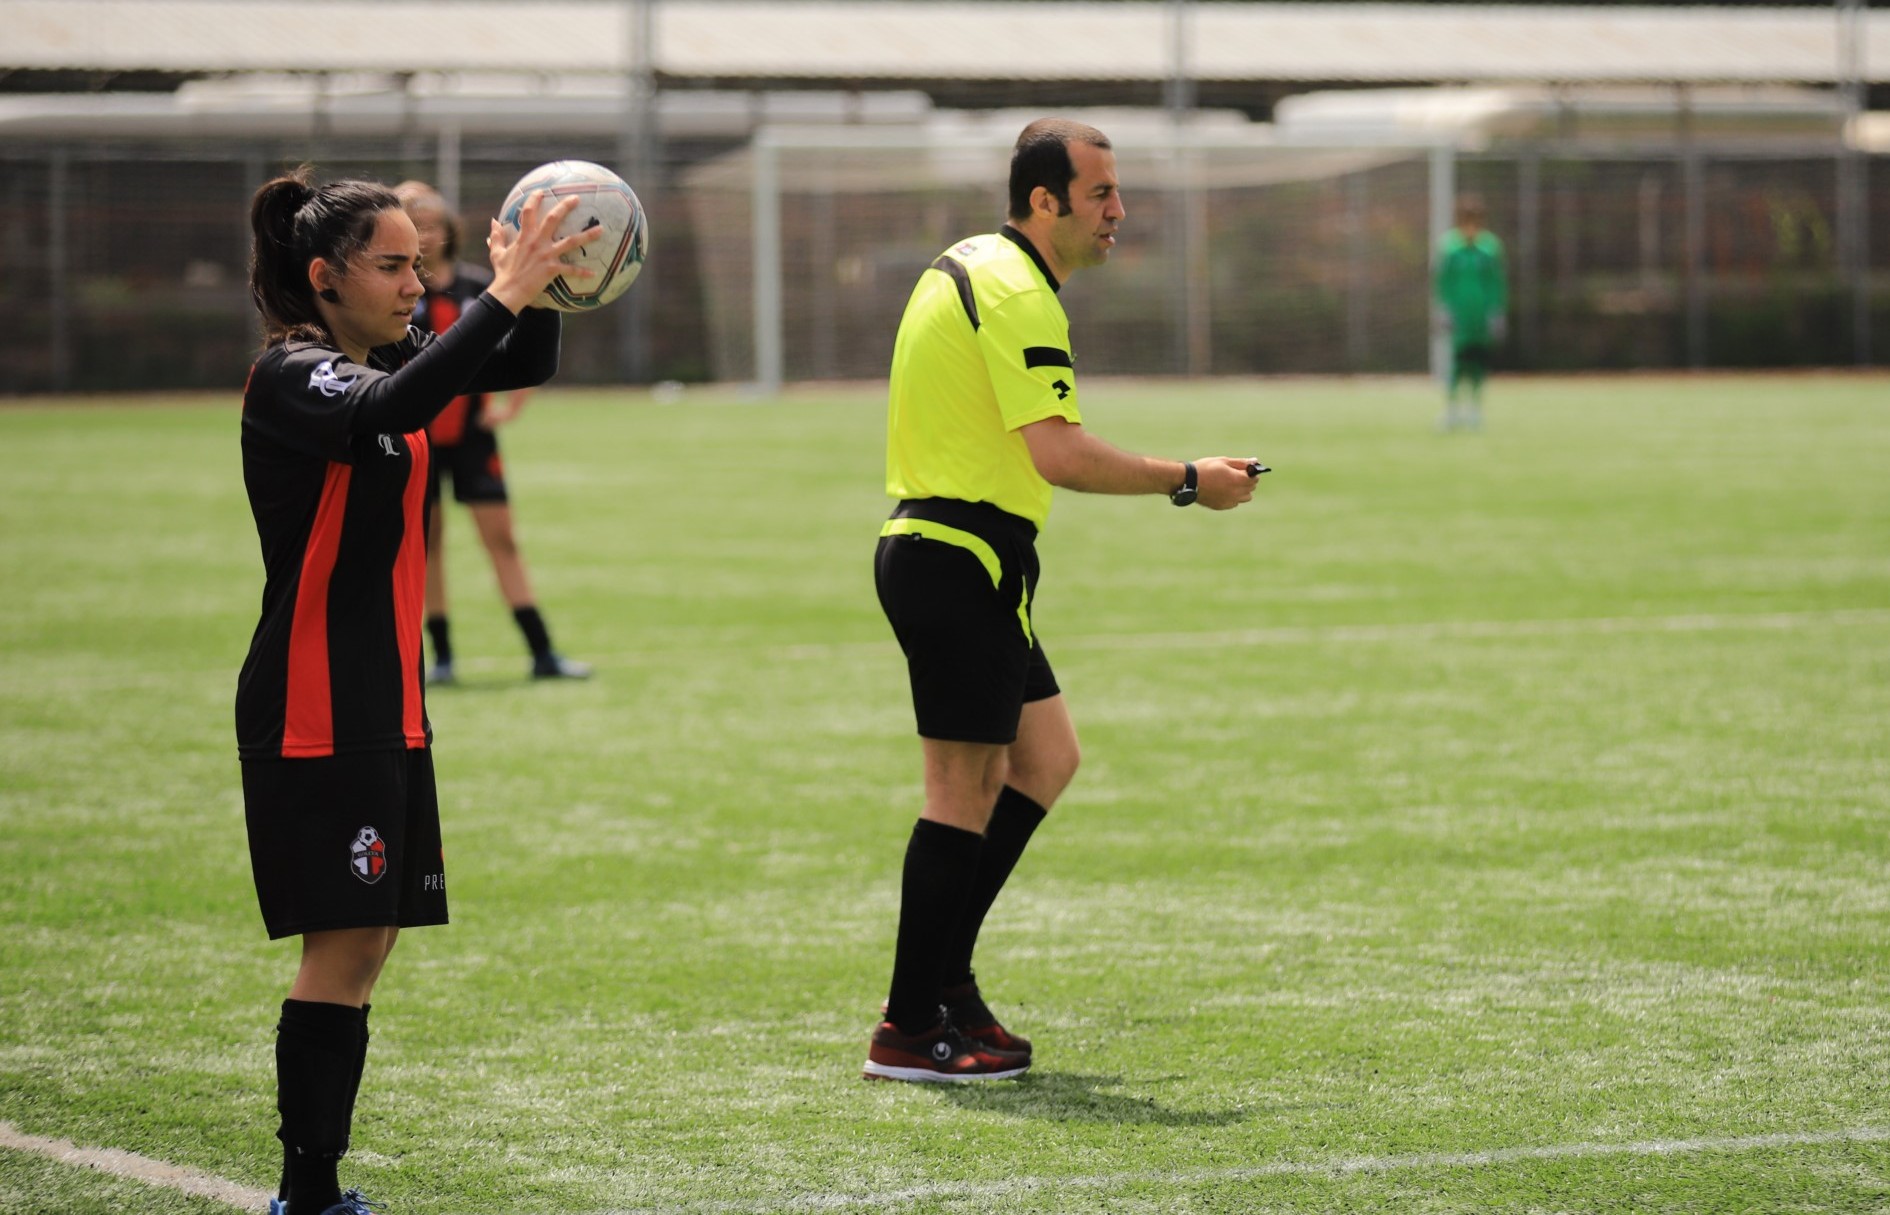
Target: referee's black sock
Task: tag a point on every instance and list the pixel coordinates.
(537, 636)
(941, 863)
(1013, 820)
(318, 1047)
(442, 639)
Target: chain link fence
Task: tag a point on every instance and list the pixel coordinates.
(123, 263)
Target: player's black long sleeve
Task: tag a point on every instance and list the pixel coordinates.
(488, 350)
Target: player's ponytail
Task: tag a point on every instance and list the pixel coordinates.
(292, 223)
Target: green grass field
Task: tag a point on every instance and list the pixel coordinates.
(1489, 822)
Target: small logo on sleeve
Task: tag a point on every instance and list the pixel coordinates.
(368, 855)
(324, 380)
(387, 445)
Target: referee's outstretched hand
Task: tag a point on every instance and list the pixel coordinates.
(1222, 482)
(524, 262)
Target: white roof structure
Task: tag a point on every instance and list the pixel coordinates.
(881, 42)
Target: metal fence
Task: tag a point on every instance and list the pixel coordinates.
(122, 263)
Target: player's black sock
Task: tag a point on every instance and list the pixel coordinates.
(360, 1063)
(1013, 820)
(941, 863)
(317, 1048)
(441, 634)
(537, 636)
(354, 1090)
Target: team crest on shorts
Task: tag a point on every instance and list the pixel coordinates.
(368, 860)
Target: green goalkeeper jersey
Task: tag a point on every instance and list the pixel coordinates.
(1472, 284)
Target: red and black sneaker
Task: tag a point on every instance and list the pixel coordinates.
(939, 1055)
(977, 1022)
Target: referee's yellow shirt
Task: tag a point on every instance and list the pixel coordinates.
(983, 349)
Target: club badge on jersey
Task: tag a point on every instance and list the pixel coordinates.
(368, 855)
(324, 380)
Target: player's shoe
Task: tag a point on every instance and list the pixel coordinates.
(940, 1055)
(438, 673)
(557, 666)
(352, 1203)
(977, 1022)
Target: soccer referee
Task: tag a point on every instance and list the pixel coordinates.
(982, 422)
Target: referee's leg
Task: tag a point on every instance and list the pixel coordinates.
(1045, 756)
(962, 780)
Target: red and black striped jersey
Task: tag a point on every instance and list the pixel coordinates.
(435, 313)
(335, 462)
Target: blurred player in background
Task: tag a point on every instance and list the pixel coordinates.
(331, 724)
(466, 448)
(982, 423)
(1472, 286)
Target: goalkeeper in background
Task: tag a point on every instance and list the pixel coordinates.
(1472, 287)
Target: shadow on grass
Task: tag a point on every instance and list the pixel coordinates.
(1072, 1097)
(466, 684)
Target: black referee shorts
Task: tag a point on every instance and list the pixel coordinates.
(473, 463)
(957, 580)
(345, 841)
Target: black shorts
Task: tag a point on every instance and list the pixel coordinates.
(473, 463)
(971, 650)
(345, 841)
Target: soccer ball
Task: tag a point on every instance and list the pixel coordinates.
(607, 202)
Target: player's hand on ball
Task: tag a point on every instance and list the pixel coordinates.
(1223, 482)
(524, 262)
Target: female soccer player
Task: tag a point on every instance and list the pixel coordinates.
(338, 793)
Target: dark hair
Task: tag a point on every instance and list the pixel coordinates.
(293, 223)
(418, 195)
(1042, 158)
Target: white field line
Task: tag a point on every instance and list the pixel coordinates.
(190, 1181)
(1344, 1166)
(1283, 635)
(137, 1168)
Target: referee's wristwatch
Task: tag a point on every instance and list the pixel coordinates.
(1186, 494)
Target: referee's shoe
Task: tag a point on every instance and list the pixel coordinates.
(939, 1055)
(976, 1021)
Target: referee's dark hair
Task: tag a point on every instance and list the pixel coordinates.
(1042, 158)
(293, 223)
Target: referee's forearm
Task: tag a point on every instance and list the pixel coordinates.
(1080, 461)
